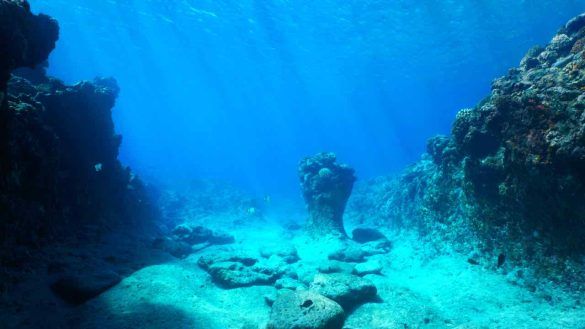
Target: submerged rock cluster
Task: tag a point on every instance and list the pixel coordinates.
(308, 294)
(509, 182)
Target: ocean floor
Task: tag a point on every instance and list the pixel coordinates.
(417, 288)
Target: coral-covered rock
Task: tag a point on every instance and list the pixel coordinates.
(305, 310)
(511, 178)
(326, 186)
(26, 40)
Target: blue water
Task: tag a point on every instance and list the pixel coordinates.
(242, 89)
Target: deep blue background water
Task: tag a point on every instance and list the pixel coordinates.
(242, 89)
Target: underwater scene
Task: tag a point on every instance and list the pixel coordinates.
(290, 164)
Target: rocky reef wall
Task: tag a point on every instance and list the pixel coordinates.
(60, 178)
(509, 183)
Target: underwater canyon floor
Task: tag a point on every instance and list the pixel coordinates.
(418, 287)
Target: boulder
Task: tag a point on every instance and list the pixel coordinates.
(78, 288)
(349, 253)
(237, 270)
(346, 289)
(235, 275)
(369, 267)
(305, 310)
(367, 234)
(334, 266)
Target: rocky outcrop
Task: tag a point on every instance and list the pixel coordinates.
(26, 40)
(59, 162)
(326, 186)
(510, 180)
(60, 179)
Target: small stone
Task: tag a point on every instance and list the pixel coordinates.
(369, 267)
(305, 310)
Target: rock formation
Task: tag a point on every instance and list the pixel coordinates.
(326, 187)
(60, 178)
(510, 180)
(26, 40)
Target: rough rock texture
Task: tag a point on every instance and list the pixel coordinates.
(58, 160)
(348, 290)
(232, 270)
(369, 267)
(26, 40)
(510, 180)
(305, 310)
(326, 186)
(60, 179)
